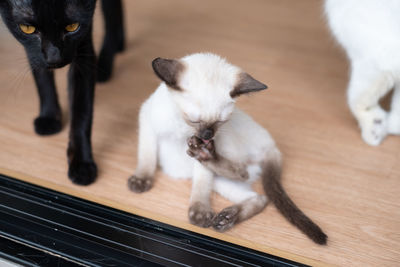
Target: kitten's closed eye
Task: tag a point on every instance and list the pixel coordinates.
(72, 27)
(27, 29)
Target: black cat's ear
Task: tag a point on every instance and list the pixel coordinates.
(246, 84)
(168, 70)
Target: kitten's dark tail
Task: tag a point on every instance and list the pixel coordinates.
(275, 192)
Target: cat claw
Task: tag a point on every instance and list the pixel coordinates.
(200, 150)
(226, 219)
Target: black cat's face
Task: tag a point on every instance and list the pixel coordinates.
(50, 30)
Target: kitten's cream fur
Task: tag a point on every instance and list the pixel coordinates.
(198, 93)
(369, 30)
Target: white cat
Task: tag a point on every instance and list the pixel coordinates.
(192, 129)
(369, 31)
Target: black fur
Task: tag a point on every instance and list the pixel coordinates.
(114, 39)
(50, 47)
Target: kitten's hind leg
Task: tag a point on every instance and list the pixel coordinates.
(248, 203)
(394, 115)
(49, 120)
(200, 211)
(114, 38)
(143, 178)
(367, 86)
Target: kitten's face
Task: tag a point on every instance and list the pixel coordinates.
(50, 30)
(204, 86)
(205, 104)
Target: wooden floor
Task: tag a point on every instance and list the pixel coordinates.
(349, 188)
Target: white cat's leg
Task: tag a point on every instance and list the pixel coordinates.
(367, 86)
(248, 203)
(142, 180)
(200, 211)
(394, 115)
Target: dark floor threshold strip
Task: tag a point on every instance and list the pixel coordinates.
(42, 227)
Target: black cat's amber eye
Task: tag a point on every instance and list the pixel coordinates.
(72, 27)
(28, 29)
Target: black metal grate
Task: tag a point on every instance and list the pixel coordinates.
(48, 228)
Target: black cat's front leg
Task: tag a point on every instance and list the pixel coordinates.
(49, 120)
(114, 38)
(82, 168)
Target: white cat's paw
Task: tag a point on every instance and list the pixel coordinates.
(394, 123)
(374, 126)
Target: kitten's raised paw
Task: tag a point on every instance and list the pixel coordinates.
(82, 173)
(226, 219)
(201, 215)
(200, 150)
(47, 125)
(374, 126)
(139, 185)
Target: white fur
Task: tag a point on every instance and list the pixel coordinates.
(207, 81)
(369, 31)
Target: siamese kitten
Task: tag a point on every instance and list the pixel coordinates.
(56, 33)
(192, 129)
(369, 31)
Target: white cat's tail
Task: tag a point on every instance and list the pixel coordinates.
(273, 188)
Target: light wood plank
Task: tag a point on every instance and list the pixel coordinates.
(347, 187)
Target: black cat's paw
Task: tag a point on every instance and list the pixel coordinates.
(47, 125)
(201, 215)
(226, 219)
(105, 65)
(140, 185)
(82, 173)
(200, 150)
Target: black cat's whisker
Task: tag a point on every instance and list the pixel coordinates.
(14, 62)
(16, 84)
(23, 76)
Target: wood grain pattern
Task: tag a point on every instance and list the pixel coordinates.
(347, 187)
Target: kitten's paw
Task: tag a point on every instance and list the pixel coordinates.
(82, 173)
(140, 185)
(374, 126)
(394, 123)
(47, 125)
(226, 219)
(201, 215)
(200, 150)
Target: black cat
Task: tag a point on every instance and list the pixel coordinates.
(56, 33)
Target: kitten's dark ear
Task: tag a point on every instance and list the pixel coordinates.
(168, 70)
(246, 84)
